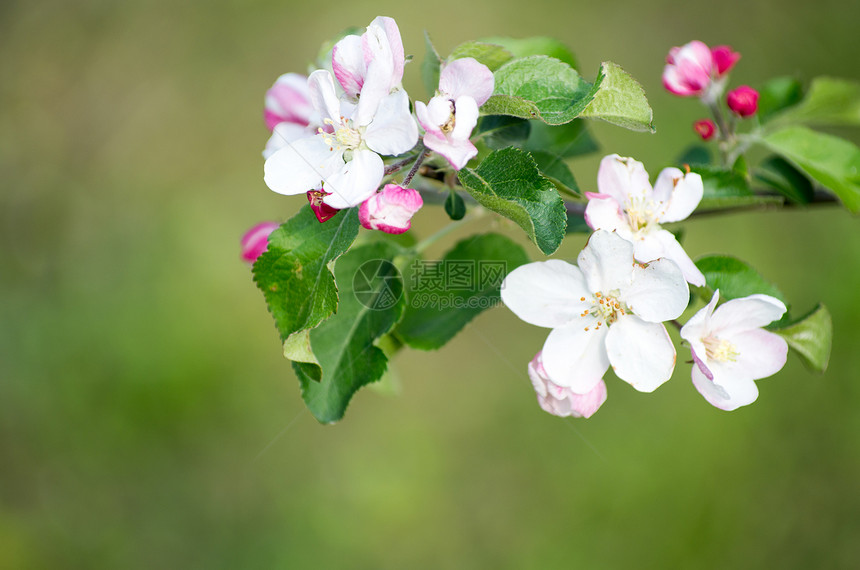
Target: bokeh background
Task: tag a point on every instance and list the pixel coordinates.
(147, 419)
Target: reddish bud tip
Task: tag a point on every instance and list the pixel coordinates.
(705, 128)
(256, 240)
(323, 211)
(743, 101)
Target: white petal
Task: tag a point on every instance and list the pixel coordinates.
(466, 76)
(284, 133)
(457, 152)
(658, 292)
(439, 110)
(545, 293)
(622, 177)
(760, 354)
(323, 95)
(424, 118)
(395, 46)
(347, 61)
(393, 130)
(466, 117)
(664, 186)
(301, 166)
(378, 80)
(746, 313)
(576, 358)
(604, 213)
(641, 353)
(688, 192)
(662, 243)
(356, 181)
(698, 326)
(727, 395)
(607, 262)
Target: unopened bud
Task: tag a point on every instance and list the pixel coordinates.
(743, 101)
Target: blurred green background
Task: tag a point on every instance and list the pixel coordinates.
(147, 419)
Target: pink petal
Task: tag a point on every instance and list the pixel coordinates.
(256, 240)
(423, 115)
(347, 62)
(545, 293)
(724, 59)
(641, 353)
(467, 76)
(288, 100)
(561, 401)
(457, 152)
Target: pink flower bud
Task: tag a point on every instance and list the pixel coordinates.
(256, 240)
(743, 101)
(391, 210)
(288, 101)
(560, 401)
(689, 69)
(706, 128)
(323, 211)
(724, 59)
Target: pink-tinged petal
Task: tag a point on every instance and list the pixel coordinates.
(658, 291)
(347, 62)
(467, 76)
(457, 152)
(606, 262)
(393, 130)
(440, 110)
(622, 178)
(561, 401)
(283, 134)
(288, 100)
(689, 69)
(301, 166)
(703, 366)
(724, 59)
(427, 124)
(603, 212)
(726, 395)
(545, 293)
(641, 353)
(674, 83)
(256, 240)
(698, 326)
(356, 181)
(688, 192)
(576, 358)
(466, 117)
(395, 46)
(379, 80)
(744, 314)
(662, 243)
(761, 353)
(664, 186)
(323, 95)
(390, 210)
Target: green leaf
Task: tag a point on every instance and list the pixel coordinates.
(812, 337)
(538, 45)
(570, 139)
(833, 162)
(620, 100)
(455, 207)
(445, 295)
(508, 182)
(734, 278)
(500, 131)
(829, 101)
(780, 175)
(776, 95)
(491, 55)
(538, 87)
(345, 345)
(293, 272)
(553, 167)
(430, 66)
(728, 189)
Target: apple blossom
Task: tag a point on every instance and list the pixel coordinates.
(724, 59)
(743, 101)
(561, 401)
(705, 128)
(376, 56)
(256, 240)
(607, 310)
(449, 117)
(694, 69)
(627, 204)
(346, 160)
(390, 210)
(731, 349)
(288, 112)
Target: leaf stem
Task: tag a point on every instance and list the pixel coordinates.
(416, 166)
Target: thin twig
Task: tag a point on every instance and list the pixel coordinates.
(415, 167)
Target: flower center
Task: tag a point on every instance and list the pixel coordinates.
(452, 120)
(606, 308)
(720, 350)
(643, 214)
(344, 135)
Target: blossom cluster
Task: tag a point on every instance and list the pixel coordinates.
(632, 277)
